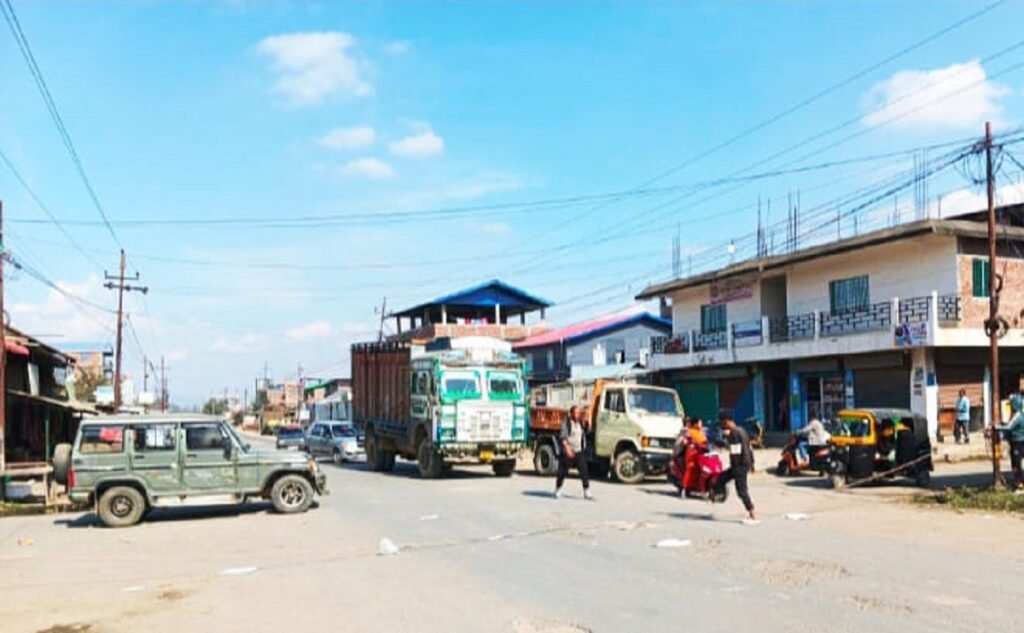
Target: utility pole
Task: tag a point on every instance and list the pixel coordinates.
(145, 375)
(383, 312)
(995, 283)
(3, 351)
(121, 286)
(163, 386)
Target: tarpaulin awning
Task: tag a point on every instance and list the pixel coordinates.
(15, 348)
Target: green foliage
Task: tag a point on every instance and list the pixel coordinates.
(993, 500)
(215, 406)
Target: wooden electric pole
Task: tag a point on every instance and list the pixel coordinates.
(163, 386)
(995, 283)
(121, 286)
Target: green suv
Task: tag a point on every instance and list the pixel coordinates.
(127, 465)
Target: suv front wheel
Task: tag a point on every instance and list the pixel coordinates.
(291, 494)
(121, 506)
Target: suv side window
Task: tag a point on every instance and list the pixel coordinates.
(101, 439)
(318, 430)
(155, 437)
(205, 437)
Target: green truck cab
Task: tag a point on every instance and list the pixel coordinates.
(126, 465)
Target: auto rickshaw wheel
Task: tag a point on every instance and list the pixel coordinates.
(837, 480)
(923, 478)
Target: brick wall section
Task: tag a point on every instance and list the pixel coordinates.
(1011, 303)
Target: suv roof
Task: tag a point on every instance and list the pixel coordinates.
(142, 419)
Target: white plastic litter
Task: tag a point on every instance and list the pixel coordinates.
(497, 537)
(387, 547)
(673, 542)
(751, 522)
(798, 516)
(238, 571)
(430, 517)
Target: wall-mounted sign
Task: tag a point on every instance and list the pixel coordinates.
(726, 290)
(911, 334)
(744, 334)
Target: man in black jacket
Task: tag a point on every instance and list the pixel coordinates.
(741, 463)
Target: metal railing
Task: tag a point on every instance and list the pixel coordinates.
(795, 327)
(709, 340)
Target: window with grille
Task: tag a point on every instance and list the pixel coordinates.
(849, 294)
(712, 318)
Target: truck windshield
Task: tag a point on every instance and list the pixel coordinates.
(460, 385)
(653, 401)
(503, 385)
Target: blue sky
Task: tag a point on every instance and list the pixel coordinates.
(241, 110)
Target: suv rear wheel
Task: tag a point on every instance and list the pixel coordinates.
(121, 506)
(291, 494)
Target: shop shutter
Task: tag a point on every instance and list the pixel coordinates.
(699, 398)
(889, 387)
(953, 379)
(730, 390)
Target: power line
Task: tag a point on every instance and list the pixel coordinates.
(39, 203)
(37, 75)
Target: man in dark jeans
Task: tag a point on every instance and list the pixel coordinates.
(741, 463)
(572, 444)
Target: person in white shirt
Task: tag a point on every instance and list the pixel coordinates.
(815, 435)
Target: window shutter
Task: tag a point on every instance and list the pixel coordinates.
(980, 278)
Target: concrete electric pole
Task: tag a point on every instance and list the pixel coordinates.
(121, 287)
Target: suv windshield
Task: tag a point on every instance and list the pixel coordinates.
(653, 401)
(342, 430)
(242, 444)
(503, 385)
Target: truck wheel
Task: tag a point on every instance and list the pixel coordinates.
(291, 494)
(121, 506)
(61, 463)
(545, 461)
(504, 468)
(387, 462)
(430, 463)
(628, 467)
(373, 457)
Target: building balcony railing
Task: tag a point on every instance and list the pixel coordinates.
(942, 309)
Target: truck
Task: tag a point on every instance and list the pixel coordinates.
(633, 427)
(451, 401)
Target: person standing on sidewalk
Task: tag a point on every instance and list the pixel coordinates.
(572, 440)
(963, 418)
(1015, 436)
(741, 463)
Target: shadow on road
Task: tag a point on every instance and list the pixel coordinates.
(409, 470)
(170, 515)
(696, 516)
(544, 494)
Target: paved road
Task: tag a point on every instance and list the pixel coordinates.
(485, 554)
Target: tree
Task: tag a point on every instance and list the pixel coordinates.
(85, 384)
(215, 406)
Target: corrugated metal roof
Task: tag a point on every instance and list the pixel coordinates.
(594, 327)
(484, 295)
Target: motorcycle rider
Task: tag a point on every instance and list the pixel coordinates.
(814, 435)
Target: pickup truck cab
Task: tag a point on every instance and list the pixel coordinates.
(633, 426)
(126, 465)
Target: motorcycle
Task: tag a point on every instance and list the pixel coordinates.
(705, 484)
(791, 462)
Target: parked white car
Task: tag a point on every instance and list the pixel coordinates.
(337, 439)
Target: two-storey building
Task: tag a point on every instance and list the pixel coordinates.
(894, 317)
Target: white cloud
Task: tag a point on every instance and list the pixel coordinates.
(955, 97)
(248, 343)
(310, 331)
(419, 145)
(312, 66)
(346, 138)
(398, 47)
(372, 168)
(74, 320)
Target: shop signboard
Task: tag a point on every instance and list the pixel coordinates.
(911, 334)
(733, 289)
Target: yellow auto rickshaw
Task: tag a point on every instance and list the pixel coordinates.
(870, 441)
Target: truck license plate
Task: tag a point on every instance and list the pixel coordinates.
(486, 455)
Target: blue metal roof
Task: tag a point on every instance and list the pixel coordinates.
(484, 295)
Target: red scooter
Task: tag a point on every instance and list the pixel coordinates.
(705, 484)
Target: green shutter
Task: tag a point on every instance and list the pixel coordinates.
(980, 277)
